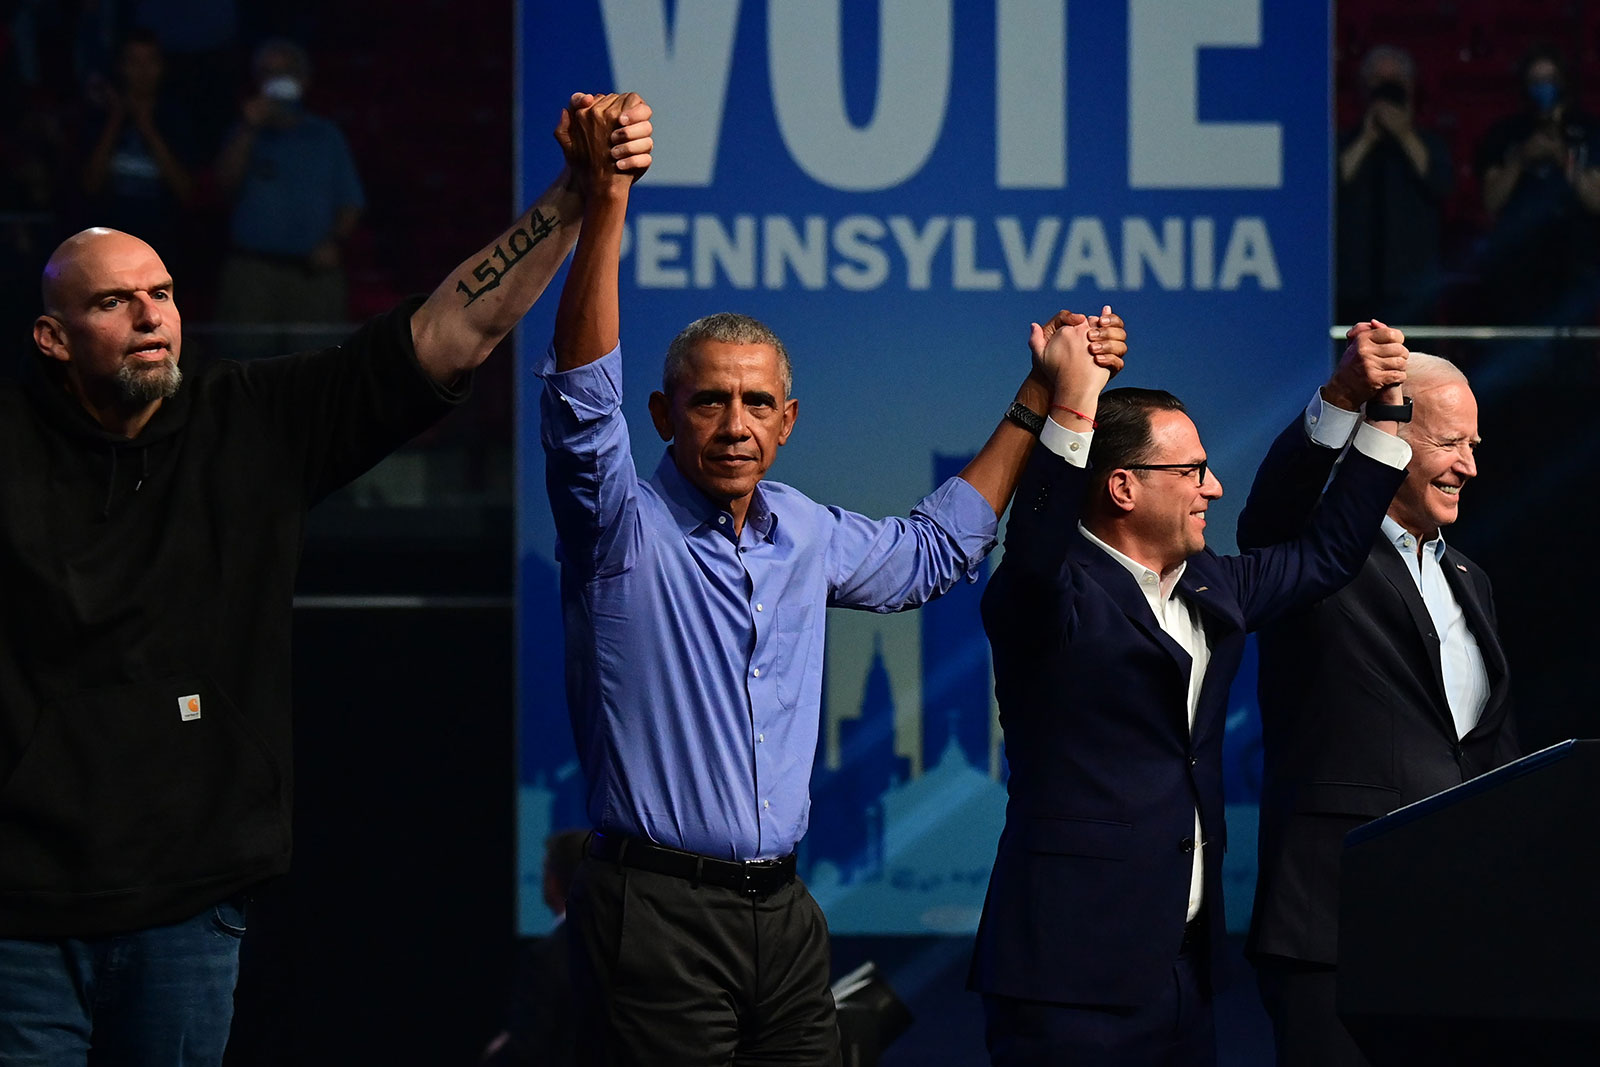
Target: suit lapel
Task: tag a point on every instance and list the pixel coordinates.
(1387, 559)
(1124, 591)
(1217, 624)
(1206, 592)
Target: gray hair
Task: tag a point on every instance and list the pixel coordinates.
(1425, 371)
(729, 328)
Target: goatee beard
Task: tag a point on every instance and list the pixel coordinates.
(145, 384)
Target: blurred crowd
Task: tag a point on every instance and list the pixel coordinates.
(1467, 164)
(254, 146)
(161, 118)
(1532, 256)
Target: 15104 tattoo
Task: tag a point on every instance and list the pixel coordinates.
(520, 242)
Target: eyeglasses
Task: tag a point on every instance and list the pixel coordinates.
(1199, 469)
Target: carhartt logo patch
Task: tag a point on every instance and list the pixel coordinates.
(189, 707)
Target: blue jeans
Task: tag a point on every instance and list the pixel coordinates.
(161, 997)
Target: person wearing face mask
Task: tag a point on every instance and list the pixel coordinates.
(1394, 176)
(296, 199)
(1540, 170)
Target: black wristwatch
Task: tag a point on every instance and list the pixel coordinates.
(1027, 418)
(1400, 412)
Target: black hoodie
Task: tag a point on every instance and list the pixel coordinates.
(146, 587)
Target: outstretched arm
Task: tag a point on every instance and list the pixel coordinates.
(1328, 552)
(899, 563)
(1289, 483)
(479, 302)
(587, 320)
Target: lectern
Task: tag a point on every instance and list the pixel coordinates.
(1469, 922)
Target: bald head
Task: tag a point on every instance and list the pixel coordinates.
(111, 325)
(76, 260)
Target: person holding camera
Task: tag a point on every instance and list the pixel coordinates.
(1540, 169)
(1394, 177)
(296, 199)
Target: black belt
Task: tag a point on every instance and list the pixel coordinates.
(756, 878)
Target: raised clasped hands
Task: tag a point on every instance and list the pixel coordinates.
(1087, 348)
(606, 139)
(1373, 367)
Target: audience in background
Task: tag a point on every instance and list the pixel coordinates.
(137, 148)
(1394, 177)
(200, 39)
(1540, 169)
(138, 177)
(296, 200)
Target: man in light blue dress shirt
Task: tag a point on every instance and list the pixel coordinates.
(1387, 692)
(694, 603)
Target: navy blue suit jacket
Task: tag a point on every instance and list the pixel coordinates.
(1090, 887)
(1355, 722)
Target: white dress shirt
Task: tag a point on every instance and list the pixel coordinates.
(1179, 620)
(1327, 426)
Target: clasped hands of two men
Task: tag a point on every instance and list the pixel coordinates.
(1075, 356)
(607, 139)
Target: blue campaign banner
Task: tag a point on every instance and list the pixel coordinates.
(898, 188)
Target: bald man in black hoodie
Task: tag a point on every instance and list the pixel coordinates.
(150, 527)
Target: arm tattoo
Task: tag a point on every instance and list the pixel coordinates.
(520, 242)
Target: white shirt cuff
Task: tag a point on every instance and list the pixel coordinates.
(1328, 425)
(1386, 448)
(1070, 445)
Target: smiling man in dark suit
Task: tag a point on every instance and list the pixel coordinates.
(1385, 693)
(1116, 634)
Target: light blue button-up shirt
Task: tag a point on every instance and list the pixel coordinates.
(694, 655)
(1466, 679)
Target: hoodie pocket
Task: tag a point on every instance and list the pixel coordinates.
(124, 787)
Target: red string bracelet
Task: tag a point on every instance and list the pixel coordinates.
(1062, 407)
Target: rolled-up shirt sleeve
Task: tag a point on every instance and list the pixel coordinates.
(589, 472)
(899, 563)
